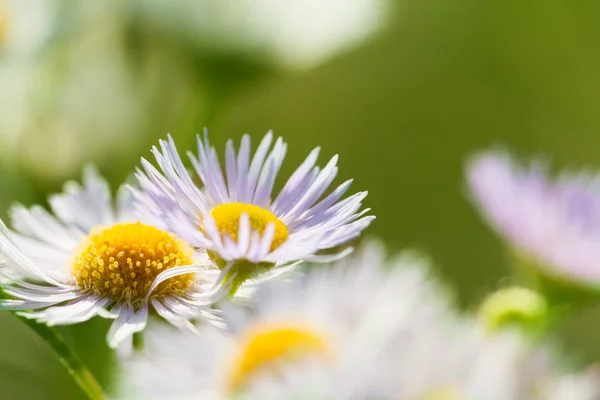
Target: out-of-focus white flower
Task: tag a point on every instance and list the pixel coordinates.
(322, 337)
(88, 94)
(458, 358)
(584, 386)
(25, 26)
(364, 329)
(463, 361)
(292, 33)
(95, 257)
(553, 224)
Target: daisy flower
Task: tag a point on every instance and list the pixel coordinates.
(461, 360)
(324, 336)
(551, 223)
(234, 216)
(91, 257)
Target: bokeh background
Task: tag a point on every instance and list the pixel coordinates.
(403, 90)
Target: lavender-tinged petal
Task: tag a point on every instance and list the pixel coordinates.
(345, 233)
(231, 170)
(255, 167)
(211, 187)
(290, 199)
(265, 185)
(316, 190)
(242, 165)
(295, 180)
(322, 206)
(188, 192)
(262, 194)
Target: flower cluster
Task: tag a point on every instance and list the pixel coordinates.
(171, 244)
(363, 329)
(212, 251)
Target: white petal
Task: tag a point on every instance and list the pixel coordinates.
(171, 273)
(127, 323)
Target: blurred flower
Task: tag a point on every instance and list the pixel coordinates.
(553, 224)
(237, 222)
(513, 306)
(25, 26)
(87, 78)
(584, 386)
(364, 329)
(324, 336)
(293, 34)
(461, 360)
(96, 259)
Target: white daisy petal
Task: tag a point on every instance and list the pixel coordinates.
(171, 273)
(127, 323)
(22, 305)
(78, 311)
(173, 317)
(107, 259)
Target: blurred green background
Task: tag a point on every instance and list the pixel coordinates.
(404, 91)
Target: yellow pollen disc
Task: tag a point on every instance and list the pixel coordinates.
(122, 261)
(227, 218)
(267, 347)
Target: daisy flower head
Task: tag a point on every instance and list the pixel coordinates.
(553, 224)
(308, 338)
(92, 257)
(234, 216)
(461, 360)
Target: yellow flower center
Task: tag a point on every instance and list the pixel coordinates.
(122, 261)
(227, 218)
(265, 347)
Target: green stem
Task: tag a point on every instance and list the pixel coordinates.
(68, 358)
(76, 368)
